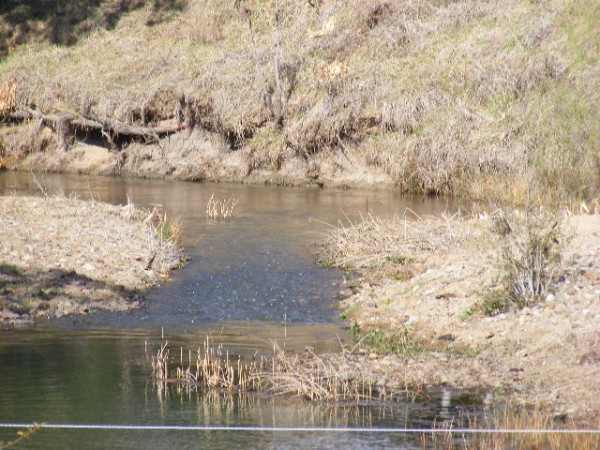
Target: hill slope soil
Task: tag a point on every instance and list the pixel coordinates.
(63, 256)
(465, 97)
(428, 279)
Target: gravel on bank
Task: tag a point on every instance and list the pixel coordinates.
(63, 256)
(428, 280)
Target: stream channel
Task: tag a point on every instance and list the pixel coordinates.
(251, 281)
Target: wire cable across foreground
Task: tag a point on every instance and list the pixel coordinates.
(159, 427)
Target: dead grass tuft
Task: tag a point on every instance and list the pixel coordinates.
(308, 376)
(533, 429)
(375, 241)
(221, 209)
(8, 95)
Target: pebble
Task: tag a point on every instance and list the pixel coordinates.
(411, 320)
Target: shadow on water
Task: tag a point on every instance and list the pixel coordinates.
(251, 280)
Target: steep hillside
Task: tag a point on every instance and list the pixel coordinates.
(478, 98)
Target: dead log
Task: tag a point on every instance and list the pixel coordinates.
(68, 126)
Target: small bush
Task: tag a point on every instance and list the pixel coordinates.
(530, 260)
(495, 302)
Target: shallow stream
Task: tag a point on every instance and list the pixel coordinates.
(251, 280)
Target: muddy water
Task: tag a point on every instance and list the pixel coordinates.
(251, 280)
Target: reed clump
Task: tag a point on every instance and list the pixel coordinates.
(308, 376)
(209, 366)
(221, 208)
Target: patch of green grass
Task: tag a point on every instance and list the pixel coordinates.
(401, 276)
(387, 302)
(467, 313)
(495, 302)
(417, 130)
(325, 263)
(580, 24)
(347, 314)
(396, 342)
(399, 260)
(461, 351)
(47, 293)
(169, 230)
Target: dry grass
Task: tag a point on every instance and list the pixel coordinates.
(444, 97)
(307, 376)
(221, 209)
(8, 96)
(526, 424)
(373, 241)
(315, 378)
(163, 235)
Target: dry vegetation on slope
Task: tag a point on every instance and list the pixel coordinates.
(443, 96)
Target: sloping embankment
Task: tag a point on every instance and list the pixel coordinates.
(464, 97)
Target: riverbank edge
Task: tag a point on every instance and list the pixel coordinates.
(63, 256)
(542, 357)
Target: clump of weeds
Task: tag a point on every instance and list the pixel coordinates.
(397, 342)
(530, 260)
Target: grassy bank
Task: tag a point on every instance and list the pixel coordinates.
(483, 99)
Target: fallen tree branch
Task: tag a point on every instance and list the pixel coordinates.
(67, 125)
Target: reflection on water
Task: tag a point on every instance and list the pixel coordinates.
(100, 376)
(251, 281)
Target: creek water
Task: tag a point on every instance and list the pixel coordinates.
(251, 281)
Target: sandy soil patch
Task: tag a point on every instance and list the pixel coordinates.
(66, 256)
(430, 282)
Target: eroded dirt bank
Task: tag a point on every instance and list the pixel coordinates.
(428, 279)
(65, 256)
